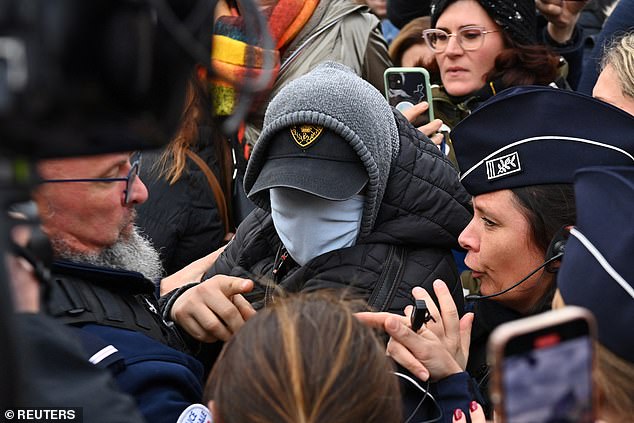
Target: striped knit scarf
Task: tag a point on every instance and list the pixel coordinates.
(235, 57)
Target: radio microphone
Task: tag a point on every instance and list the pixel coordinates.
(475, 297)
(554, 252)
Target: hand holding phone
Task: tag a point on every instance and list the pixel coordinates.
(542, 367)
(406, 87)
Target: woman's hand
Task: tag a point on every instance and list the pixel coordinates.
(431, 129)
(562, 16)
(442, 345)
(440, 348)
(421, 353)
(453, 332)
(475, 411)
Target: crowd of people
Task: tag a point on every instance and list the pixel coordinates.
(263, 266)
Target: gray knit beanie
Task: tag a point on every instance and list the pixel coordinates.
(334, 97)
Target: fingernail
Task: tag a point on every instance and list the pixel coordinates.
(246, 285)
(438, 283)
(423, 375)
(473, 406)
(457, 414)
(417, 290)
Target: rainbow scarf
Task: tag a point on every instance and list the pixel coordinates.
(236, 58)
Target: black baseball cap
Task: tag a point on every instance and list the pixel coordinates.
(312, 159)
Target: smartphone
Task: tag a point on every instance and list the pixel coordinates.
(405, 87)
(542, 368)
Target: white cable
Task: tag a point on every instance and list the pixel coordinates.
(404, 376)
(603, 262)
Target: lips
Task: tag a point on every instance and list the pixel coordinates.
(476, 274)
(455, 70)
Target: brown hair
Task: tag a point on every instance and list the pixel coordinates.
(196, 112)
(614, 380)
(411, 34)
(547, 208)
(306, 359)
(524, 65)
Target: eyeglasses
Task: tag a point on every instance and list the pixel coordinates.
(129, 180)
(470, 38)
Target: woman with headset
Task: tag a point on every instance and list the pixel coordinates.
(599, 249)
(482, 47)
(519, 172)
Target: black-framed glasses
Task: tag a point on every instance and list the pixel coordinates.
(470, 38)
(129, 179)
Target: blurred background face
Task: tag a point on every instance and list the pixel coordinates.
(608, 89)
(379, 7)
(417, 55)
(501, 251)
(463, 72)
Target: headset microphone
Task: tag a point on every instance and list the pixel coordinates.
(554, 252)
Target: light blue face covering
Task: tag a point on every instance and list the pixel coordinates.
(310, 226)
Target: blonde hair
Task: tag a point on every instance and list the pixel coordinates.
(614, 380)
(620, 55)
(306, 359)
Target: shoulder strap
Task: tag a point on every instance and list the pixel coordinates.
(221, 201)
(385, 288)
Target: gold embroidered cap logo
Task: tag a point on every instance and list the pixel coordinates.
(305, 135)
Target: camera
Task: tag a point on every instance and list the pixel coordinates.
(91, 77)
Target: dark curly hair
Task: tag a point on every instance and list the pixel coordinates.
(521, 64)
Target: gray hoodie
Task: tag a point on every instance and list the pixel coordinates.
(334, 97)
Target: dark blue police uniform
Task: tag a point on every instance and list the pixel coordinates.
(115, 313)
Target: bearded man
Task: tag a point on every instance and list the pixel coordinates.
(105, 277)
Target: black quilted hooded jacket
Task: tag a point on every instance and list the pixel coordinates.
(422, 212)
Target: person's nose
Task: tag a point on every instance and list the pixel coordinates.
(453, 47)
(468, 238)
(139, 194)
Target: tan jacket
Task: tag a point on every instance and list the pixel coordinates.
(341, 31)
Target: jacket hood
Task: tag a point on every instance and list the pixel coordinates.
(424, 202)
(334, 97)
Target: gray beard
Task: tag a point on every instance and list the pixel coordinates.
(133, 253)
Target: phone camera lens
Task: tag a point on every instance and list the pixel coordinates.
(395, 80)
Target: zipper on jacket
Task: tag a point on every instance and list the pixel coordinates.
(278, 272)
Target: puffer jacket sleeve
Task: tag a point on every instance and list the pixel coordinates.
(423, 268)
(425, 204)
